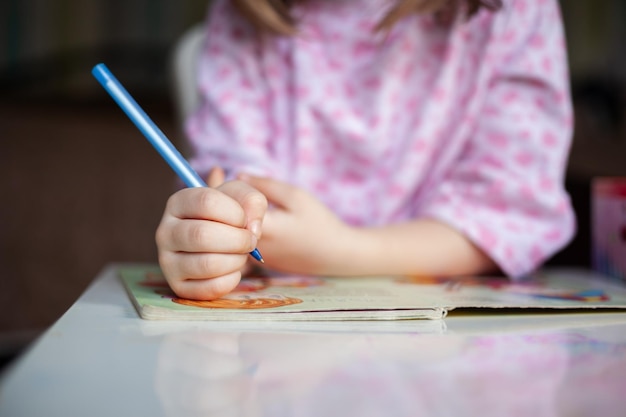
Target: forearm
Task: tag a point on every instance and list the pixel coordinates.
(301, 235)
(418, 247)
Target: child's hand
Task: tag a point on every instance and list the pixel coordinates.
(300, 234)
(205, 237)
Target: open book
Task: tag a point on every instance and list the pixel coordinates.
(295, 297)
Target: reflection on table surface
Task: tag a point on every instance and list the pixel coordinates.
(567, 371)
(101, 359)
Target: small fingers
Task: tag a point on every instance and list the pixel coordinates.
(206, 289)
(189, 266)
(205, 203)
(202, 276)
(204, 236)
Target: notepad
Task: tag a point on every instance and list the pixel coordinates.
(308, 298)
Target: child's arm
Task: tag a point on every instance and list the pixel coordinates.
(205, 237)
(301, 235)
(423, 247)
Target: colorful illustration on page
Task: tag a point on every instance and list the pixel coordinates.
(246, 295)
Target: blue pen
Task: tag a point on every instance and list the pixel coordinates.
(154, 135)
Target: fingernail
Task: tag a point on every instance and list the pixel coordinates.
(255, 228)
(243, 177)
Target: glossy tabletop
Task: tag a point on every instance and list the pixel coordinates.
(101, 359)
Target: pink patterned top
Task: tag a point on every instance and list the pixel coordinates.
(468, 123)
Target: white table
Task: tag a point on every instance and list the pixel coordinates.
(101, 359)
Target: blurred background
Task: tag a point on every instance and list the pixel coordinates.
(81, 188)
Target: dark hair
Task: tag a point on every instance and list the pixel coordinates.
(274, 16)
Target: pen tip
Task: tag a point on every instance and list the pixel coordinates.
(257, 255)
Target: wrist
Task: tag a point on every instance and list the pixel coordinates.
(355, 252)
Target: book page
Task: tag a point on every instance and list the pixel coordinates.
(298, 297)
(289, 297)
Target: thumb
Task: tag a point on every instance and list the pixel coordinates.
(252, 201)
(279, 193)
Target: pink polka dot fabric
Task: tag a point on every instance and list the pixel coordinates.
(468, 123)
